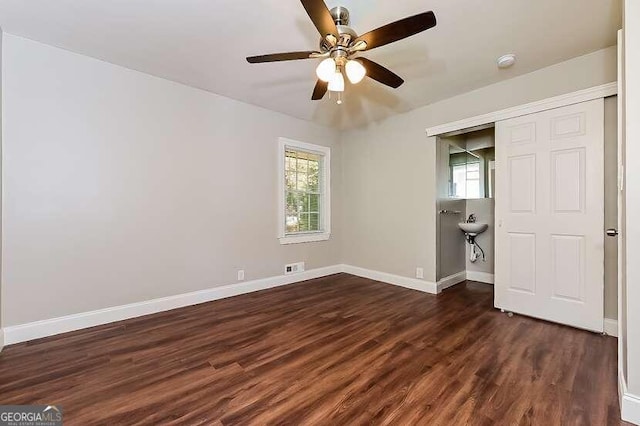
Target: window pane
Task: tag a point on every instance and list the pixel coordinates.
(304, 222)
(294, 203)
(314, 203)
(302, 165)
(314, 222)
(303, 178)
(302, 182)
(290, 180)
(473, 189)
(314, 175)
(314, 165)
(292, 223)
(313, 182)
(459, 181)
(304, 203)
(473, 167)
(308, 156)
(290, 161)
(473, 175)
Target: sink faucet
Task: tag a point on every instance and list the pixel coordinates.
(472, 218)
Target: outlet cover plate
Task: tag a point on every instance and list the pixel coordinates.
(294, 268)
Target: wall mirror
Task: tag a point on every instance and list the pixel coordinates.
(471, 171)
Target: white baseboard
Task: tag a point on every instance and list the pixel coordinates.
(611, 327)
(412, 283)
(629, 404)
(483, 277)
(451, 280)
(50, 327)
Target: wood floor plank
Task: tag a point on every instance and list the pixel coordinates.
(335, 350)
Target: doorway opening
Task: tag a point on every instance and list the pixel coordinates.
(465, 206)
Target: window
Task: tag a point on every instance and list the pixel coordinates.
(465, 180)
(305, 213)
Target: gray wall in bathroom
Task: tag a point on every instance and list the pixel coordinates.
(450, 242)
(449, 239)
(484, 209)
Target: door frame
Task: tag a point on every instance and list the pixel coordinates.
(602, 91)
(622, 249)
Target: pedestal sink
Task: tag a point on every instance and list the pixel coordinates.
(473, 228)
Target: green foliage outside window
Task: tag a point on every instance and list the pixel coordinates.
(302, 191)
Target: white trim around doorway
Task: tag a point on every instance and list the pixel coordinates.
(602, 91)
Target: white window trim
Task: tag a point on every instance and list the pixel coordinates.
(306, 237)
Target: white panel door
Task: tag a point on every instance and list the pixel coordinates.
(550, 215)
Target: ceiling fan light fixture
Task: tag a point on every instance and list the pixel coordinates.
(337, 82)
(339, 43)
(326, 70)
(355, 71)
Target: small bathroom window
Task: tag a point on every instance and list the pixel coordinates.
(465, 180)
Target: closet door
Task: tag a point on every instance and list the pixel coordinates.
(550, 215)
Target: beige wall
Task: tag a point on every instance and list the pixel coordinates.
(121, 187)
(390, 197)
(389, 186)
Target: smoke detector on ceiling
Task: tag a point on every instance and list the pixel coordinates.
(505, 61)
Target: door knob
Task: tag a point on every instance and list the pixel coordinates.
(612, 232)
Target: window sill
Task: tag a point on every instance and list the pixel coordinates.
(304, 238)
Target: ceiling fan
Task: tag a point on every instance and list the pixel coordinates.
(339, 44)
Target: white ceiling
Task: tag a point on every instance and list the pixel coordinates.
(203, 43)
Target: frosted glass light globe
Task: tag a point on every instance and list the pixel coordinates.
(355, 71)
(337, 82)
(326, 69)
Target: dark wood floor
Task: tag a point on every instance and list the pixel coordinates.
(337, 350)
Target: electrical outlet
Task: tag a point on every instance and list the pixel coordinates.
(419, 273)
(294, 268)
(241, 275)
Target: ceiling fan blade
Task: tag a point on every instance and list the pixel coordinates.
(321, 17)
(275, 57)
(398, 30)
(320, 90)
(380, 73)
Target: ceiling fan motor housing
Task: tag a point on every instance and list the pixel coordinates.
(340, 16)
